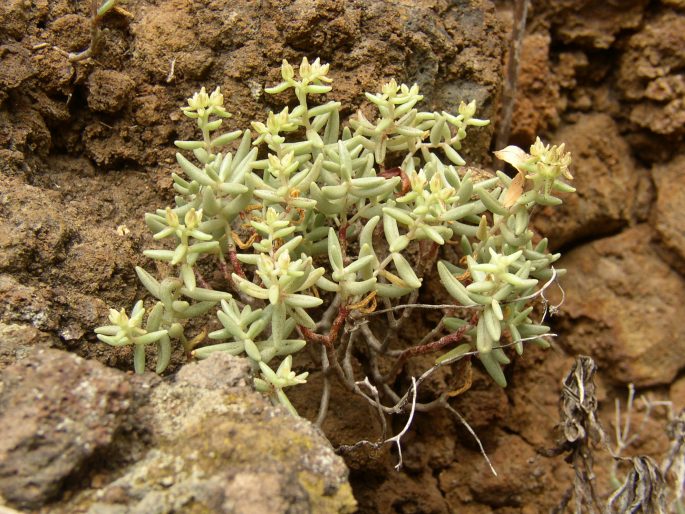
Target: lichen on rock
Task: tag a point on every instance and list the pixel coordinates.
(204, 442)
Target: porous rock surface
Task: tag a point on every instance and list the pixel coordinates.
(651, 78)
(606, 179)
(536, 107)
(590, 23)
(58, 411)
(643, 340)
(669, 207)
(203, 442)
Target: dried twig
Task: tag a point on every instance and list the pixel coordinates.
(172, 71)
(580, 428)
(473, 433)
(376, 397)
(327, 318)
(642, 491)
(423, 306)
(396, 439)
(326, 390)
(675, 460)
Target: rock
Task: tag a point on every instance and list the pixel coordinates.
(15, 66)
(26, 304)
(622, 308)
(650, 78)
(14, 17)
(670, 205)
(62, 261)
(403, 494)
(108, 90)
(592, 23)
(58, 410)
(205, 441)
(677, 394)
(484, 407)
(605, 178)
(221, 447)
(520, 470)
(518, 462)
(537, 95)
(534, 389)
(215, 373)
(16, 341)
(24, 128)
(71, 32)
(453, 52)
(34, 233)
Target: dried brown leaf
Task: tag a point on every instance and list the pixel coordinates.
(515, 191)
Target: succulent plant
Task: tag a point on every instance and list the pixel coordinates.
(314, 229)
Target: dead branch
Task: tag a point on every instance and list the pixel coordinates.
(643, 490)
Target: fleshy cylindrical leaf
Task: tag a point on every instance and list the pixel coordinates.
(455, 288)
(405, 271)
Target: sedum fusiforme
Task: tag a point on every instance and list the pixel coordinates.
(318, 226)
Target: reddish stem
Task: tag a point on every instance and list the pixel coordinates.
(237, 267)
(407, 354)
(202, 280)
(226, 272)
(342, 237)
(328, 340)
(313, 337)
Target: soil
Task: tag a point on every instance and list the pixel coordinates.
(86, 148)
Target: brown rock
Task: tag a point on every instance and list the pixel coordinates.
(653, 53)
(55, 73)
(668, 213)
(26, 304)
(71, 32)
(215, 445)
(164, 33)
(677, 394)
(520, 471)
(24, 127)
(33, 235)
(622, 308)
(592, 23)
(60, 246)
(14, 17)
(16, 342)
(605, 179)
(570, 63)
(537, 94)
(108, 90)
(205, 441)
(534, 393)
(453, 53)
(650, 75)
(15, 66)
(484, 405)
(113, 145)
(58, 410)
(403, 494)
